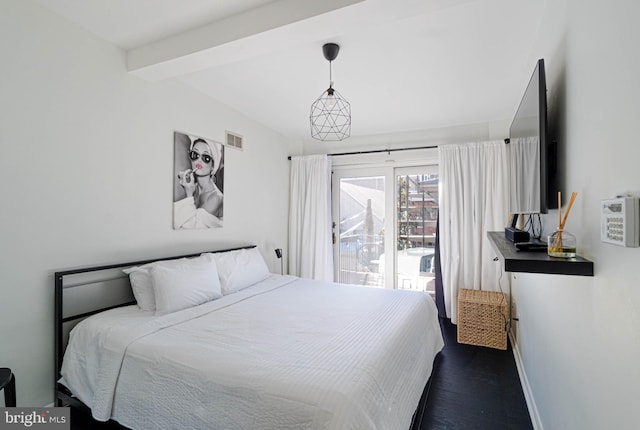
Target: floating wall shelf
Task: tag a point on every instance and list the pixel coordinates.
(536, 262)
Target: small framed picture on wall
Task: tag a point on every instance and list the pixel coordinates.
(198, 191)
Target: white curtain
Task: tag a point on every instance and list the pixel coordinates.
(310, 247)
(525, 175)
(473, 201)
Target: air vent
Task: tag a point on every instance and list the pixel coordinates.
(234, 140)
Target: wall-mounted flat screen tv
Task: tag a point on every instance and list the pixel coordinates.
(529, 149)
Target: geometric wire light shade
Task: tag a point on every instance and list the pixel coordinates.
(330, 116)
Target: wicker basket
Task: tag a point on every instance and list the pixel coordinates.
(482, 317)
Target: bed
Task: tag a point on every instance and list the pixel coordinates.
(263, 351)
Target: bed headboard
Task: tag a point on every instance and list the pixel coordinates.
(82, 292)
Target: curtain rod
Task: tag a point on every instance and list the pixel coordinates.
(374, 151)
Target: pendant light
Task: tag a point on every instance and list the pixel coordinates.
(330, 114)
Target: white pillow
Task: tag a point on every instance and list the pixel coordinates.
(142, 288)
(190, 283)
(141, 283)
(240, 269)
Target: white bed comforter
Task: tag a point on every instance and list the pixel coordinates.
(286, 353)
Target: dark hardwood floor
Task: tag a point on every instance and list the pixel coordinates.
(81, 420)
(472, 388)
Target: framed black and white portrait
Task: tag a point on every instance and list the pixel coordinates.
(198, 192)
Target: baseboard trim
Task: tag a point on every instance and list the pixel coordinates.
(526, 388)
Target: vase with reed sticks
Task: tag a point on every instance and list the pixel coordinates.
(561, 243)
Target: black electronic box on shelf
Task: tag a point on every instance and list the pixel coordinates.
(516, 235)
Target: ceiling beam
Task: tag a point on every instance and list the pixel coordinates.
(272, 27)
(241, 36)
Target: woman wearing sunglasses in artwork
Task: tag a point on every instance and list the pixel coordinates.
(202, 206)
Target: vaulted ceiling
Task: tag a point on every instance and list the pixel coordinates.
(404, 65)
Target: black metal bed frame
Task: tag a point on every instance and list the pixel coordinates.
(62, 395)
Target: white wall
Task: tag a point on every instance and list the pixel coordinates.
(579, 338)
(441, 136)
(86, 171)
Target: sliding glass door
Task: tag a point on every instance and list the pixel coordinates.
(360, 213)
(384, 226)
(416, 203)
